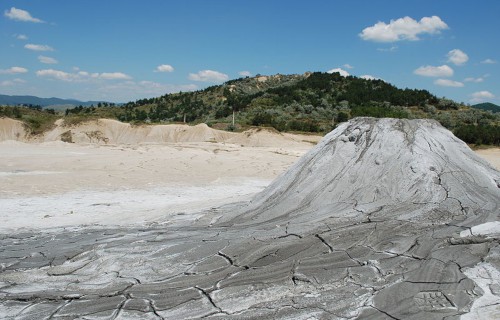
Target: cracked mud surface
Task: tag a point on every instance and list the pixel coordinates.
(379, 221)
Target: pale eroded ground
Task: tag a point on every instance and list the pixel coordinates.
(56, 184)
(491, 155)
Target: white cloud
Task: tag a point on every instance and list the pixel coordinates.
(403, 29)
(489, 61)
(111, 76)
(245, 73)
(57, 74)
(149, 87)
(81, 75)
(448, 83)
(38, 47)
(21, 36)
(208, 76)
(481, 96)
(342, 72)
(369, 77)
(457, 57)
(348, 66)
(471, 79)
(164, 68)
(20, 15)
(131, 90)
(391, 49)
(47, 60)
(14, 70)
(8, 83)
(431, 71)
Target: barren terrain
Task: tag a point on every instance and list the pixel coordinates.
(121, 180)
(383, 219)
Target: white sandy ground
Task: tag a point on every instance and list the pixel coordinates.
(56, 184)
(491, 155)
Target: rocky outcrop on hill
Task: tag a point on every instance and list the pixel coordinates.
(384, 219)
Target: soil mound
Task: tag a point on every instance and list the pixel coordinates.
(11, 129)
(270, 137)
(413, 170)
(107, 131)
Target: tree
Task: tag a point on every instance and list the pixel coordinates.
(17, 113)
(342, 116)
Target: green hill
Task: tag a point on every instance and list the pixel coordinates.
(309, 102)
(488, 106)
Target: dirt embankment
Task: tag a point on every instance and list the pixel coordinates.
(107, 131)
(11, 129)
(112, 132)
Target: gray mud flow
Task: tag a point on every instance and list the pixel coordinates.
(383, 219)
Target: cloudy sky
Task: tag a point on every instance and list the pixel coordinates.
(117, 50)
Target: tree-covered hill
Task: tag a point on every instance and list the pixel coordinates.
(312, 102)
(487, 106)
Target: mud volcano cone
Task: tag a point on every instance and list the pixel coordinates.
(411, 205)
(378, 169)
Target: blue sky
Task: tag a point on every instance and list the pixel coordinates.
(118, 50)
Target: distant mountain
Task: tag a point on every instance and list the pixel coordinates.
(56, 103)
(487, 106)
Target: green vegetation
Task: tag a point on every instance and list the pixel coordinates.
(479, 135)
(313, 102)
(35, 119)
(487, 106)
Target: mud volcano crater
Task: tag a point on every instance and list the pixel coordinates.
(383, 219)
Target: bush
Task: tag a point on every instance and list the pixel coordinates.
(379, 112)
(479, 134)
